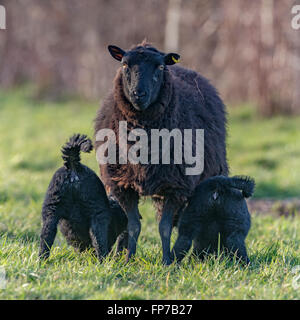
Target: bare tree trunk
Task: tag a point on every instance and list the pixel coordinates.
(172, 26)
(265, 57)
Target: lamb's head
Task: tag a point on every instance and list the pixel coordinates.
(142, 73)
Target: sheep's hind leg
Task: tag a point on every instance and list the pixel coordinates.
(201, 248)
(77, 235)
(49, 229)
(235, 243)
(207, 240)
(181, 247)
(99, 234)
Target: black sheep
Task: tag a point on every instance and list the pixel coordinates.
(77, 201)
(217, 217)
(150, 93)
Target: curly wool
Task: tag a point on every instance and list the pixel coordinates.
(186, 101)
(76, 201)
(217, 217)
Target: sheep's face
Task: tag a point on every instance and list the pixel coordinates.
(142, 73)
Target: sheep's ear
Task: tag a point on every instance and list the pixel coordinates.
(116, 52)
(171, 58)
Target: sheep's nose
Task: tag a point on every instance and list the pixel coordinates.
(139, 94)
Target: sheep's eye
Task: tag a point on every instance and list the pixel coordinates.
(161, 67)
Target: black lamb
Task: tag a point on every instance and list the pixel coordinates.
(151, 93)
(216, 217)
(77, 201)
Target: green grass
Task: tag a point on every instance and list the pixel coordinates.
(268, 150)
(31, 135)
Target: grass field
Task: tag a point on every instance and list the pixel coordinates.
(31, 134)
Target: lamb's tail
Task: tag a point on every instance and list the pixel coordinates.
(243, 183)
(71, 150)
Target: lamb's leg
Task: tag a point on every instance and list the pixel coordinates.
(235, 243)
(49, 229)
(77, 236)
(181, 247)
(185, 237)
(165, 229)
(207, 239)
(200, 249)
(99, 234)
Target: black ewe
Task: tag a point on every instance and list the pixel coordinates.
(217, 217)
(149, 93)
(77, 201)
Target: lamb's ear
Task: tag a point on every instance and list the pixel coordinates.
(171, 58)
(116, 52)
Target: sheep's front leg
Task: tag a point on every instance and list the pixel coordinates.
(128, 199)
(134, 229)
(165, 230)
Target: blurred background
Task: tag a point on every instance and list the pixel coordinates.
(248, 49)
(55, 70)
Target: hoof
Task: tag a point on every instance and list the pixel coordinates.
(129, 257)
(167, 262)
